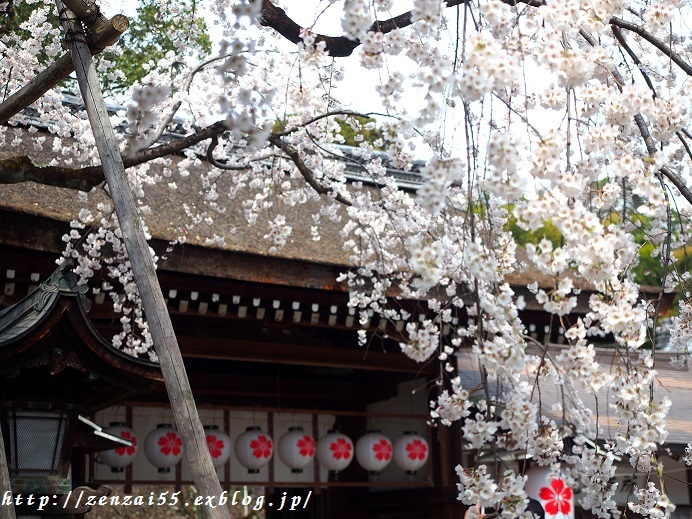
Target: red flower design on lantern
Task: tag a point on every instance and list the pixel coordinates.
(306, 446)
(170, 444)
(416, 450)
(382, 449)
(341, 449)
(556, 497)
(215, 445)
(129, 451)
(261, 447)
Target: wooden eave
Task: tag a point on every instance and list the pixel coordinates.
(47, 340)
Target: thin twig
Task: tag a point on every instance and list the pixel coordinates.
(304, 170)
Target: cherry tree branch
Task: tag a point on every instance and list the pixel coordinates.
(617, 32)
(342, 46)
(319, 117)
(231, 167)
(659, 44)
(22, 169)
(649, 141)
(304, 170)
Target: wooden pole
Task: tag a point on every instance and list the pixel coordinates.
(171, 361)
(60, 69)
(6, 511)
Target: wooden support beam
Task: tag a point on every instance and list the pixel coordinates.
(170, 360)
(271, 352)
(108, 33)
(247, 388)
(6, 512)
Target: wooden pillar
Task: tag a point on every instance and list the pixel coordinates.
(6, 512)
(446, 456)
(144, 271)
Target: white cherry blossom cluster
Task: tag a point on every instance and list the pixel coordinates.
(578, 362)
(507, 496)
(95, 243)
(312, 53)
(532, 115)
(642, 419)
(477, 487)
(478, 431)
(573, 66)
(621, 316)
(660, 12)
(450, 407)
(506, 179)
(487, 66)
(681, 335)
(439, 175)
(429, 11)
(423, 340)
(687, 457)
(571, 15)
(279, 232)
(651, 503)
(596, 473)
(357, 19)
(519, 418)
(547, 445)
(503, 353)
(372, 54)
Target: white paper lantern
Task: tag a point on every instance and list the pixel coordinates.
(219, 445)
(556, 498)
(374, 451)
(296, 449)
(253, 449)
(120, 457)
(411, 452)
(163, 447)
(335, 451)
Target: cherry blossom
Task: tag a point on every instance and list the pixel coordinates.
(170, 444)
(557, 497)
(306, 446)
(416, 450)
(215, 445)
(563, 122)
(128, 450)
(341, 449)
(261, 447)
(382, 449)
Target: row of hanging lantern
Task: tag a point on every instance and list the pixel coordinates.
(335, 451)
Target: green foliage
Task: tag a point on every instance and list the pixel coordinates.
(152, 34)
(13, 16)
(355, 131)
(18, 12)
(522, 237)
(648, 270)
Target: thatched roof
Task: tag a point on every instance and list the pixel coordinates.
(168, 218)
(168, 215)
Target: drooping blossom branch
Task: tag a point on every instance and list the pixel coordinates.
(342, 46)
